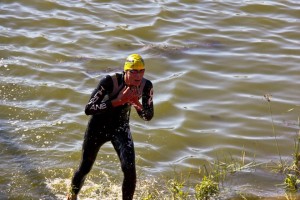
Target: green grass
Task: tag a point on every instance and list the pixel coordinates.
(291, 171)
(268, 98)
(207, 188)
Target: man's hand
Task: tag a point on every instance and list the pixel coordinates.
(135, 99)
(128, 95)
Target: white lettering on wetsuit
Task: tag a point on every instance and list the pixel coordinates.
(96, 97)
(150, 100)
(98, 107)
(93, 101)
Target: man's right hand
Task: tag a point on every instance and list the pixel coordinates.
(127, 95)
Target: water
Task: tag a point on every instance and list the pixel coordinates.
(211, 63)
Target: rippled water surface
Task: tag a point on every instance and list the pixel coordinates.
(211, 63)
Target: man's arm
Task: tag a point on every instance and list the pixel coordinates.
(146, 112)
(96, 104)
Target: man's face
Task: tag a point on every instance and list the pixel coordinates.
(134, 77)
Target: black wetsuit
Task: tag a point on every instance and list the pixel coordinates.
(109, 123)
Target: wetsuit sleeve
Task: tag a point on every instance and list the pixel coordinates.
(96, 105)
(147, 101)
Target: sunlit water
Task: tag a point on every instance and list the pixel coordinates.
(211, 64)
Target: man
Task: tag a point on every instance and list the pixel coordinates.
(109, 107)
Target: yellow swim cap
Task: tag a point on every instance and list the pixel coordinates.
(134, 61)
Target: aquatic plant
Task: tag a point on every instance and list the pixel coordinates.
(296, 164)
(291, 181)
(207, 188)
(230, 165)
(148, 197)
(150, 190)
(177, 189)
(268, 98)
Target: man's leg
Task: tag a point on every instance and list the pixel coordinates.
(90, 148)
(124, 147)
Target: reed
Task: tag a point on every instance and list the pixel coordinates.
(292, 179)
(268, 99)
(296, 165)
(230, 165)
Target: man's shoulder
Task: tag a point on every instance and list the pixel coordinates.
(111, 76)
(107, 81)
(147, 80)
